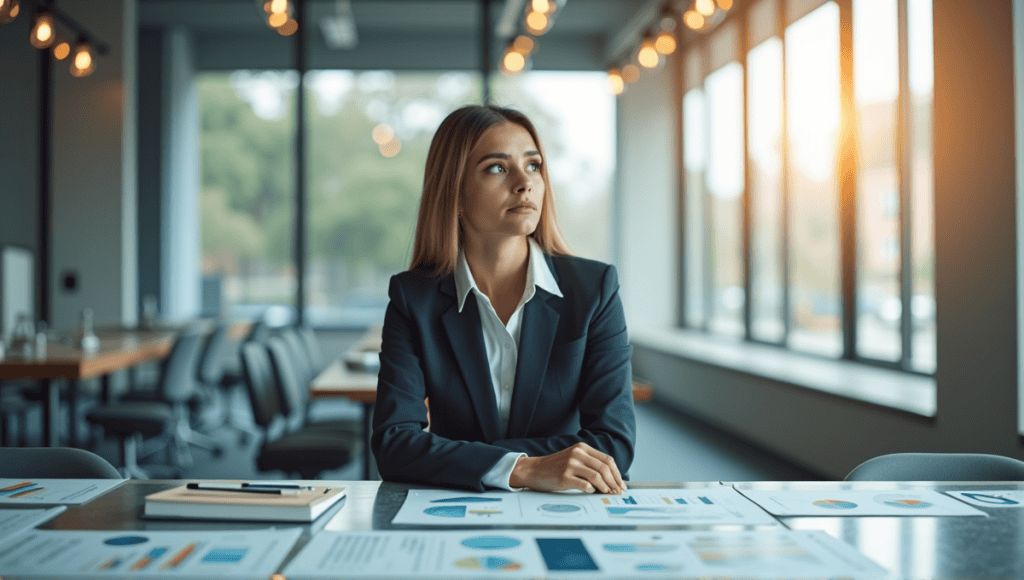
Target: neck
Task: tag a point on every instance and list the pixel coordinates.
(498, 264)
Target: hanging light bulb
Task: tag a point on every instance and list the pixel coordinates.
(43, 32)
(61, 50)
(630, 74)
(9, 10)
(725, 4)
(615, 82)
(513, 62)
(82, 62)
(523, 44)
(542, 6)
(290, 27)
(277, 19)
(537, 23)
(705, 7)
(648, 56)
(665, 43)
(278, 6)
(693, 19)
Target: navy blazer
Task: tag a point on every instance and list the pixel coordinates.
(573, 378)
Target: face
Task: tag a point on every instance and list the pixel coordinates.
(503, 190)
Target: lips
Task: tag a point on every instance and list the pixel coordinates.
(523, 206)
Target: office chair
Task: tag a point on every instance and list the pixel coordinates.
(211, 376)
(13, 407)
(306, 452)
(165, 416)
(294, 395)
(938, 467)
(312, 346)
(54, 463)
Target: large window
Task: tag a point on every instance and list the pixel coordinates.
(863, 291)
(367, 136)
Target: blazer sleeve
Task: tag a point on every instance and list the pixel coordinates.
(607, 418)
(404, 451)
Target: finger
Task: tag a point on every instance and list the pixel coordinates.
(594, 471)
(618, 475)
(605, 466)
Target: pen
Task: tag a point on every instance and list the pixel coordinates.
(277, 486)
(240, 489)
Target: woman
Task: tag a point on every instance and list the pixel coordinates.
(520, 350)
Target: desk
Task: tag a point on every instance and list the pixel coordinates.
(119, 349)
(911, 547)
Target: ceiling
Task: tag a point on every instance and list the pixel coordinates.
(402, 34)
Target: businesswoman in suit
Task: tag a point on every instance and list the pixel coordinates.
(520, 348)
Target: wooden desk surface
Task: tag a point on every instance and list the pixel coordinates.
(117, 350)
(911, 547)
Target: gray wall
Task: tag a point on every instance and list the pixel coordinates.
(976, 277)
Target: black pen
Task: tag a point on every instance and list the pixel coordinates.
(277, 486)
(239, 488)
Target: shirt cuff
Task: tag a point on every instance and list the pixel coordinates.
(499, 475)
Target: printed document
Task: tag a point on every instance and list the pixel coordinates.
(31, 491)
(927, 503)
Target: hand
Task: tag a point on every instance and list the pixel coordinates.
(578, 467)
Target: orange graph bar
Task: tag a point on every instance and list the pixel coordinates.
(28, 492)
(177, 559)
(17, 486)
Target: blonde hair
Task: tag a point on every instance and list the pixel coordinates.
(438, 235)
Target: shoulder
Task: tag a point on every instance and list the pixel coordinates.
(584, 276)
(420, 287)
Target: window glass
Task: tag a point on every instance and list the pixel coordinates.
(764, 148)
(368, 135)
(876, 90)
(247, 128)
(695, 161)
(725, 187)
(812, 110)
(922, 184)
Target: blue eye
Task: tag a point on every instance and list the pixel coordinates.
(494, 169)
(534, 166)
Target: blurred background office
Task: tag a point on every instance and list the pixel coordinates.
(813, 205)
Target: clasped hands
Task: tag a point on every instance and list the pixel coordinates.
(578, 467)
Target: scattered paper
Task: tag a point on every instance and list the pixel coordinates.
(133, 554)
(54, 491)
(927, 503)
(766, 554)
(14, 521)
(671, 507)
(1012, 498)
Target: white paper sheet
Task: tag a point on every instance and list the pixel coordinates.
(712, 505)
(766, 554)
(840, 503)
(77, 555)
(14, 520)
(53, 491)
(1011, 498)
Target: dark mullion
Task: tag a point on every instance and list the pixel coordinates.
(746, 237)
(682, 193)
(706, 214)
(847, 174)
(903, 158)
(301, 211)
(787, 323)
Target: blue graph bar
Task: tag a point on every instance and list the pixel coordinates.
(706, 500)
(629, 499)
(566, 555)
(680, 500)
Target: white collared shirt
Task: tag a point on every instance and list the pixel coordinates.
(501, 342)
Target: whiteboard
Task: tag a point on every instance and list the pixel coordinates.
(17, 276)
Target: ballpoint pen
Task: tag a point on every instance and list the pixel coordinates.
(240, 488)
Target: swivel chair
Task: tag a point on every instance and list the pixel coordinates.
(54, 463)
(938, 467)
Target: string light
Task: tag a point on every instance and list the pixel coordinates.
(704, 7)
(648, 56)
(43, 33)
(9, 10)
(665, 43)
(61, 50)
(382, 133)
(391, 148)
(615, 82)
(725, 4)
(277, 19)
(537, 23)
(82, 63)
(630, 74)
(278, 6)
(693, 19)
(523, 44)
(290, 27)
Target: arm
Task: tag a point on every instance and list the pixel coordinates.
(404, 451)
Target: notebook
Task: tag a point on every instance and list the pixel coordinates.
(303, 505)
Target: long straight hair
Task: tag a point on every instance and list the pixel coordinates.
(438, 234)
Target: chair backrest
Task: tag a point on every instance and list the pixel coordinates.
(938, 467)
(178, 376)
(293, 396)
(54, 463)
(211, 363)
(313, 350)
(300, 359)
(259, 382)
(258, 332)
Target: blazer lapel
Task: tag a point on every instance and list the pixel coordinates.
(540, 321)
(467, 340)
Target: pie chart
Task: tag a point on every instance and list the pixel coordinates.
(488, 563)
(902, 501)
(835, 504)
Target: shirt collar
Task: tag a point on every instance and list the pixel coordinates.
(538, 274)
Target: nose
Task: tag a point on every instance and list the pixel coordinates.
(521, 182)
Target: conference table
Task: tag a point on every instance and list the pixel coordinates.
(118, 349)
(910, 547)
(338, 380)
